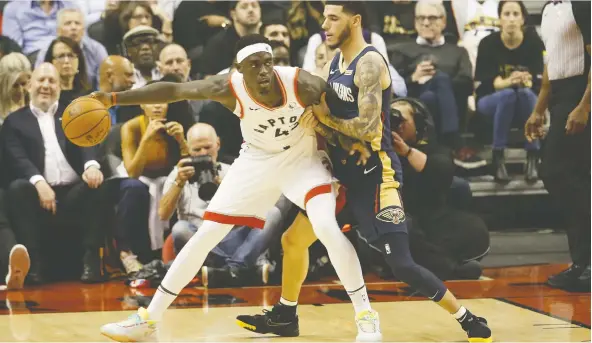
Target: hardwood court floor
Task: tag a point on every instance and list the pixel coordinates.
(515, 301)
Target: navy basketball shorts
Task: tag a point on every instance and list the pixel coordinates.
(378, 209)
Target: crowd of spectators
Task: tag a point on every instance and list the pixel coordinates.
(131, 200)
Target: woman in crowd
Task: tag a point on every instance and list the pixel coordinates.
(509, 69)
(67, 57)
(151, 146)
(15, 72)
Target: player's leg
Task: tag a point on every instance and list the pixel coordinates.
(320, 203)
(142, 325)
(295, 243)
(382, 222)
(240, 200)
(282, 319)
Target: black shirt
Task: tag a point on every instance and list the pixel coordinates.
(425, 192)
(495, 59)
(218, 54)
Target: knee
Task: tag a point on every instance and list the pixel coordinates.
(525, 93)
(428, 98)
(403, 269)
(507, 95)
(441, 77)
(20, 188)
(291, 242)
(134, 187)
(20, 185)
(182, 230)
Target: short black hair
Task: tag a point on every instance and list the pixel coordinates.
(249, 40)
(501, 4)
(274, 21)
(352, 7)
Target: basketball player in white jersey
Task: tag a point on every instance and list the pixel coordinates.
(279, 156)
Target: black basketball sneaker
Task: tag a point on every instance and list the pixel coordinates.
(476, 328)
(281, 320)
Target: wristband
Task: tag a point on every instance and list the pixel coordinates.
(408, 152)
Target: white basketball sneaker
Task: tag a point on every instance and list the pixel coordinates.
(368, 326)
(137, 328)
(18, 267)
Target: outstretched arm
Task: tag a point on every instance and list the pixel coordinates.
(371, 78)
(214, 88)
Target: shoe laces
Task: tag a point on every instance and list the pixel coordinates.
(141, 316)
(368, 321)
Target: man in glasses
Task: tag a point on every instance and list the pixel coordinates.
(440, 75)
(141, 45)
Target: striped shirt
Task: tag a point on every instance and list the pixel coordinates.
(566, 31)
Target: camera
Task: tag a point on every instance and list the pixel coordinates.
(205, 175)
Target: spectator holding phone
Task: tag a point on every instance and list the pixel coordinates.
(151, 145)
(509, 71)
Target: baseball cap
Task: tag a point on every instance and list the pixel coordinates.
(140, 30)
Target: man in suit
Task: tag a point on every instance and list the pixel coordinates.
(14, 258)
(54, 186)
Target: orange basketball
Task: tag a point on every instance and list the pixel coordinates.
(86, 122)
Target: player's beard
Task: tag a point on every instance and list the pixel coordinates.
(342, 38)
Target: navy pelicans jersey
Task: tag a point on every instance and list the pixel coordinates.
(383, 165)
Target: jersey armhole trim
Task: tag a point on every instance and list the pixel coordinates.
(242, 109)
(296, 88)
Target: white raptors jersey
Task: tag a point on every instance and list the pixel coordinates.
(270, 129)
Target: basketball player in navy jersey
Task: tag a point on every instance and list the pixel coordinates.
(359, 107)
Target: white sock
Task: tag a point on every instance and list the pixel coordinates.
(186, 265)
(460, 313)
(341, 252)
(360, 300)
(288, 302)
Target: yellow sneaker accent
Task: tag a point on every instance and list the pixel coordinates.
(245, 325)
(368, 323)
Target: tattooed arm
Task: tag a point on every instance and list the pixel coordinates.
(371, 78)
(308, 120)
(309, 90)
(336, 138)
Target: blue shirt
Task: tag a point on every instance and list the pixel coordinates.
(28, 25)
(94, 54)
